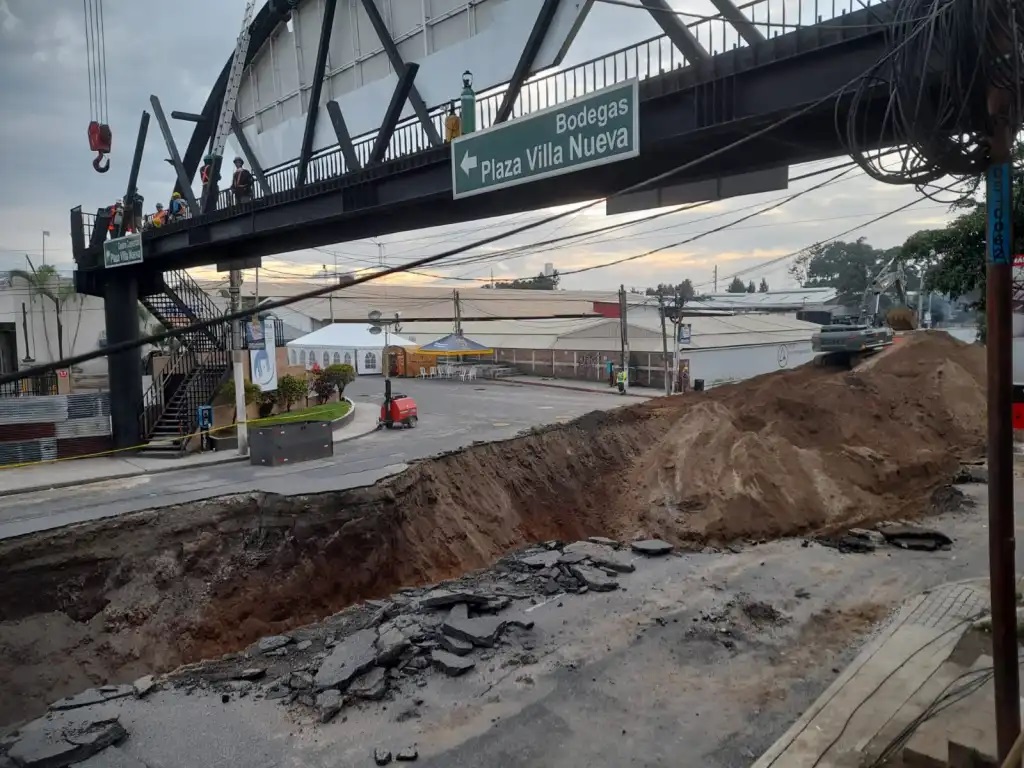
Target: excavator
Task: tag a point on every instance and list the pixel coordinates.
(846, 343)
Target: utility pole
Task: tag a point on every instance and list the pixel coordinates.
(716, 278)
(458, 313)
(330, 296)
(664, 345)
(241, 417)
(46, 234)
(624, 335)
(999, 287)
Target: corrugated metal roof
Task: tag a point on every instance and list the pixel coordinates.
(797, 298)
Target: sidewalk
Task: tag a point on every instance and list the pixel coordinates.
(889, 684)
(575, 385)
(75, 472)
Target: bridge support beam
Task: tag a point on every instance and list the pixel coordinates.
(742, 24)
(418, 105)
(250, 156)
(394, 113)
(681, 37)
(124, 369)
(315, 89)
(172, 149)
(348, 150)
(526, 58)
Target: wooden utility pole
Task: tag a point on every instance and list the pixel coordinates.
(716, 278)
(664, 345)
(999, 286)
(458, 313)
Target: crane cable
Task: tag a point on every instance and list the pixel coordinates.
(96, 66)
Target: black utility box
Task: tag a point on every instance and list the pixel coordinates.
(289, 443)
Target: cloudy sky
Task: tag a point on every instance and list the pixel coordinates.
(177, 50)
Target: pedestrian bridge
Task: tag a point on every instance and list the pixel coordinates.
(702, 87)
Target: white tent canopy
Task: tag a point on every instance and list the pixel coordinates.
(343, 343)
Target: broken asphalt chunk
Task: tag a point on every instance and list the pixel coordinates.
(450, 664)
(601, 555)
(84, 699)
(442, 598)
(252, 673)
(911, 537)
(352, 656)
(483, 631)
(111, 692)
(408, 755)
(455, 645)
(41, 749)
(651, 547)
(596, 580)
(543, 560)
(603, 540)
(373, 685)
(382, 756)
(143, 685)
(272, 643)
(328, 704)
(391, 644)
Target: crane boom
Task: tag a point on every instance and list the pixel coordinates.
(227, 109)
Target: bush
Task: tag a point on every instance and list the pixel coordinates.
(267, 402)
(340, 375)
(322, 386)
(252, 392)
(290, 389)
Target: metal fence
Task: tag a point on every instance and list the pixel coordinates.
(41, 384)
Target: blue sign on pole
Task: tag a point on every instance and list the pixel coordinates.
(999, 193)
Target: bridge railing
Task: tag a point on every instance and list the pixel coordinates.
(648, 58)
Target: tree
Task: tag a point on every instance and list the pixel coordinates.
(682, 292)
(952, 259)
(847, 267)
(751, 288)
(47, 283)
(340, 375)
(290, 389)
(737, 286)
(541, 282)
(763, 287)
(252, 392)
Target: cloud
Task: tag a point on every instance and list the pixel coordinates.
(176, 51)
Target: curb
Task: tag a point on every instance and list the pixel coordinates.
(347, 418)
(513, 383)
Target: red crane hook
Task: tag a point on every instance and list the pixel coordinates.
(100, 138)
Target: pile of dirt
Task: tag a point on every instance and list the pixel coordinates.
(813, 449)
(783, 454)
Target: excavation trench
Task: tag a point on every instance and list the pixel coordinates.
(800, 451)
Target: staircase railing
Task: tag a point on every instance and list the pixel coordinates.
(200, 389)
(183, 362)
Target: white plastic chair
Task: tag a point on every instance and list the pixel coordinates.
(433, 371)
(423, 373)
(472, 374)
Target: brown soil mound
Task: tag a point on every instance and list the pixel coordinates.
(810, 448)
(781, 454)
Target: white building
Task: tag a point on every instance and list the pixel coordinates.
(344, 343)
(28, 324)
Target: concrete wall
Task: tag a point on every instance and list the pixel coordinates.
(714, 366)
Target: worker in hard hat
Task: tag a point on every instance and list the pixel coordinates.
(160, 217)
(178, 208)
(241, 183)
(116, 214)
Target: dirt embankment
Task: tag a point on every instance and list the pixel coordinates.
(782, 454)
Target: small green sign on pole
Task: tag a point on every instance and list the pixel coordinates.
(122, 251)
(599, 128)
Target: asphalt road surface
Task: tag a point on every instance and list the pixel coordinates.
(452, 415)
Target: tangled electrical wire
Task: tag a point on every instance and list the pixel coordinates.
(931, 96)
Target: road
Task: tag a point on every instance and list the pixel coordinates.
(452, 415)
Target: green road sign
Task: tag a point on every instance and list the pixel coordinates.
(602, 127)
(122, 251)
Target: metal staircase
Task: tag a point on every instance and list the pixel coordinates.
(199, 363)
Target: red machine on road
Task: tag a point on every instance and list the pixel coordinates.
(397, 409)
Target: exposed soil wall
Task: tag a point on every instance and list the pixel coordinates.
(783, 454)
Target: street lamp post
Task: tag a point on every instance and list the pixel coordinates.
(46, 234)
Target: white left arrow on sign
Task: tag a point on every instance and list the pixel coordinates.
(468, 163)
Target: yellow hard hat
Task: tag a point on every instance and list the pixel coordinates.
(176, 195)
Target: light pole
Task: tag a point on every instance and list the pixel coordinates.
(46, 234)
(379, 324)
